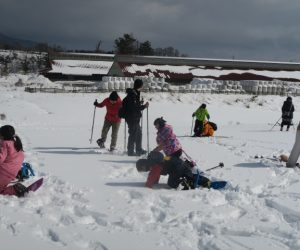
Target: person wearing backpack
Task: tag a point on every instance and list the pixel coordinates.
(179, 172)
(11, 159)
(131, 110)
(201, 114)
(112, 119)
(287, 113)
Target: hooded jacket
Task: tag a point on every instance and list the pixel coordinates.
(168, 140)
(132, 105)
(112, 109)
(10, 161)
(287, 109)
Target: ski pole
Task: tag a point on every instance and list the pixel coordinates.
(275, 123)
(192, 126)
(221, 165)
(147, 130)
(124, 136)
(142, 129)
(91, 139)
(142, 102)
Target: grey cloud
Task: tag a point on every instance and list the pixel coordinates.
(256, 29)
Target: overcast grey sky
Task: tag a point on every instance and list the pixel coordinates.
(243, 29)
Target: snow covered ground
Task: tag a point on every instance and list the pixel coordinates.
(95, 200)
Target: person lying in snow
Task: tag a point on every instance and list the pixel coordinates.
(179, 171)
(166, 139)
(11, 159)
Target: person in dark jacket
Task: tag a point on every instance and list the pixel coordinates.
(133, 107)
(287, 113)
(179, 171)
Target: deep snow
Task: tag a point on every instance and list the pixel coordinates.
(95, 200)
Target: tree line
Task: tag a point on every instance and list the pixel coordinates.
(125, 45)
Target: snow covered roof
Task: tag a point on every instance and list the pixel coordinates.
(181, 73)
(189, 72)
(81, 67)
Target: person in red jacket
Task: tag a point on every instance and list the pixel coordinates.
(112, 119)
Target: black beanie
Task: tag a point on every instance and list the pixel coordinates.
(7, 132)
(203, 106)
(160, 122)
(113, 96)
(138, 83)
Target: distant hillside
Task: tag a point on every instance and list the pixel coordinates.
(15, 42)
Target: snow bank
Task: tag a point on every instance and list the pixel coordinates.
(92, 199)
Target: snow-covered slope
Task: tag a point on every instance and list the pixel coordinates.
(95, 200)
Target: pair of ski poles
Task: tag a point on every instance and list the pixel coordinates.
(220, 165)
(92, 130)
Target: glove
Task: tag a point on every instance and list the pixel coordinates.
(193, 114)
(95, 103)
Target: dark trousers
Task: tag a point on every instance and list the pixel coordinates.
(287, 122)
(198, 129)
(135, 136)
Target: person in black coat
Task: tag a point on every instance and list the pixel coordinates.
(179, 172)
(133, 107)
(287, 113)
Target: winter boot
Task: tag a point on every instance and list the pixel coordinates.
(112, 149)
(100, 143)
(20, 189)
(141, 152)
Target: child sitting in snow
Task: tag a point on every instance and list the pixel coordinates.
(179, 171)
(11, 159)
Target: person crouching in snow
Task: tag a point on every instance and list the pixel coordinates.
(11, 159)
(208, 129)
(179, 171)
(112, 119)
(166, 139)
(201, 114)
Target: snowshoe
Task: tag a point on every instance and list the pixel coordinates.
(100, 143)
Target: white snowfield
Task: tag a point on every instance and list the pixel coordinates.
(95, 200)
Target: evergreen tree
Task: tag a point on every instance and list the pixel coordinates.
(126, 45)
(146, 49)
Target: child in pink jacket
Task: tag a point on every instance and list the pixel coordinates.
(11, 159)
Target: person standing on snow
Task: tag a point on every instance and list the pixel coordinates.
(201, 114)
(287, 113)
(166, 139)
(11, 159)
(112, 119)
(132, 108)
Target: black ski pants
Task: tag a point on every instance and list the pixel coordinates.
(135, 136)
(198, 129)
